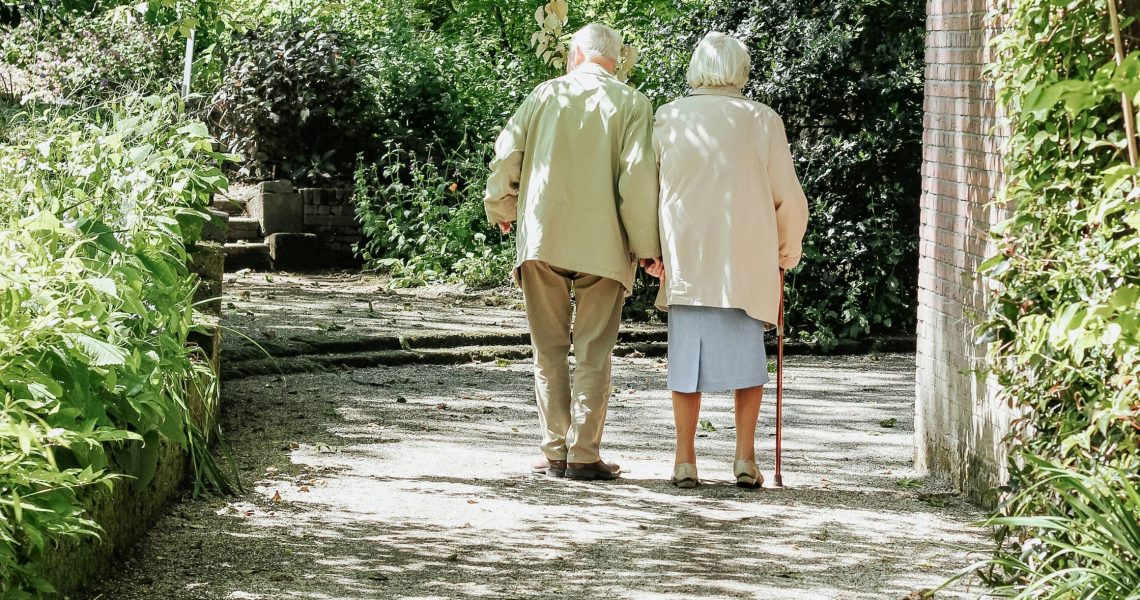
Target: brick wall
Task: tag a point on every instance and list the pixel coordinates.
(958, 425)
(330, 214)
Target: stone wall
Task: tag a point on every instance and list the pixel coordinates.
(130, 508)
(331, 215)
(958, 423)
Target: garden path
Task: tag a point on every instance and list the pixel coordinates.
(412, 482)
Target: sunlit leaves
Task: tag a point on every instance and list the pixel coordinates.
(94, 307)
(1064, 319)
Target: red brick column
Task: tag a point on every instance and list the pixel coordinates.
(958, 425)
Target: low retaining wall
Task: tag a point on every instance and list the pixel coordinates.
(129, 509)
(331, 215)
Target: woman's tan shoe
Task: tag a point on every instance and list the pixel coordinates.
(747, 474)
(685, 476)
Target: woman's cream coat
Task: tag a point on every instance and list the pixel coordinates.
(732, 209)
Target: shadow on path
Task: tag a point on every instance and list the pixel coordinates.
(412, 482)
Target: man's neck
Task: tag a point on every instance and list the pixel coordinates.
(608, 64)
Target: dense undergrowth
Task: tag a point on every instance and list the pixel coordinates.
(97, 206)
(1065, 316)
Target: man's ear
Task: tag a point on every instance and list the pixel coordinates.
(577, 57)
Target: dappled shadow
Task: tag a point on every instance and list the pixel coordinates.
(412, 482)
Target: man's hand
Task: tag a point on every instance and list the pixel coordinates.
(654, 266)
(505, 226)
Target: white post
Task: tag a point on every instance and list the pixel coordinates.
(188, 66)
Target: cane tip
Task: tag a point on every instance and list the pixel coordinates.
(777, 480)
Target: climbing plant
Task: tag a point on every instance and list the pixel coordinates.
(1064, 323)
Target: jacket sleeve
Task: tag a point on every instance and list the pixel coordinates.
(501, 199)
(637, 183)
(788, 195)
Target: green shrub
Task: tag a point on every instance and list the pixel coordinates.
(94, 57)
(1091, 542)
(96, 209)
(291, 103)
(1064, 317)
(846, 75)
(424, 221)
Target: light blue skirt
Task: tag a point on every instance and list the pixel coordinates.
(715, 349)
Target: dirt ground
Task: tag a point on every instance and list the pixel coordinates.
(413, 482)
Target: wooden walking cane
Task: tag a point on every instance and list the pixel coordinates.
(778, 478)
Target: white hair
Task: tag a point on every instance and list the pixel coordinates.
(719, 60)
(597, 40)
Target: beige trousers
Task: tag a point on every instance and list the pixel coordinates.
(572, 419)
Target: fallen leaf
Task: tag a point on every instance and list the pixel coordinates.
(502, 362)
(891, 422)
(276, 497)
(304, 488)
(707, 425)
(454, 557)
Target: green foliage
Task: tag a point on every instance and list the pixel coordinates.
(94, 57)
(1064, 318)
(96, 209)
(290, 102)
(424, 221)
(301, 88)
(1091, 542)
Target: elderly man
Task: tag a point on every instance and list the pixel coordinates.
(575, 166)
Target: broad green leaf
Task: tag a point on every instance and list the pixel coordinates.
(100, 352)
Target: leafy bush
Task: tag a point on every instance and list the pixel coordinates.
(851, 95)
(95, 57)
(96, 209)
(291, 103)
(1092, 547)
(425, 222)
(1065, 314)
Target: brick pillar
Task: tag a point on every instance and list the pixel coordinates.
(958, 424)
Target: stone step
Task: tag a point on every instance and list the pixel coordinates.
(231, 206)
(243, 228)
(245, 255)
(215, 230)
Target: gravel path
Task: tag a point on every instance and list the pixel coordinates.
(412, 482)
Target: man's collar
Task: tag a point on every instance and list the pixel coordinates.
(720, 90)
(593, 68)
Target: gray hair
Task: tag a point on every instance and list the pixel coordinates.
(597, 40)
(719, 60)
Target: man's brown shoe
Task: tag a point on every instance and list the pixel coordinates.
(591, 471)
(554, 468)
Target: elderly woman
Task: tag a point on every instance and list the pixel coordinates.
(732, 217)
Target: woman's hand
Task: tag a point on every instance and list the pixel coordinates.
(654, 266)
